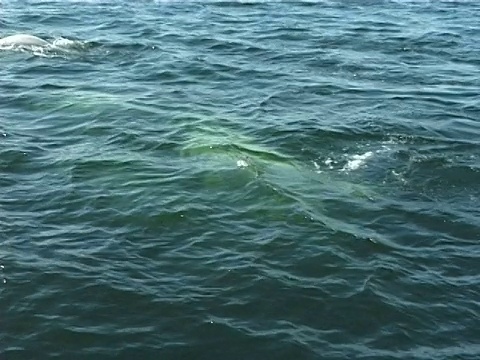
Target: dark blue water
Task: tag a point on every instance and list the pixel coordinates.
(228, 180)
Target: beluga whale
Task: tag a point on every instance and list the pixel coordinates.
(22, 40)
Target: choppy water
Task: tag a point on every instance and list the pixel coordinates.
(225, 180)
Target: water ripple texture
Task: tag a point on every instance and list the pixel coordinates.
(240, 180)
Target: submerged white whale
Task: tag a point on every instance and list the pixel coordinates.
(22, 40)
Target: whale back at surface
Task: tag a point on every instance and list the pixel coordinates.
(22, 40)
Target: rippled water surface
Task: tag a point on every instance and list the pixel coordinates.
(240, 180)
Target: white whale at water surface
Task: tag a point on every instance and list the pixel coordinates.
(30, 43)
(23, 40)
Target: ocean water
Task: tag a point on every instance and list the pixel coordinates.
(240, 180)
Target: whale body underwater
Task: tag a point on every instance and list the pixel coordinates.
(22, 40)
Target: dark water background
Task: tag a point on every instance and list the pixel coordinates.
(225, 180)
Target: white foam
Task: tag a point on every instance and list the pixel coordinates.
(242, 163)
(62, 42)
(329, 163)
(356, 161)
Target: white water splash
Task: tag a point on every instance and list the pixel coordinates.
(242, 163)
(357, 161)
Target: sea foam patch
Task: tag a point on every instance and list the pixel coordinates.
(356, 161)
